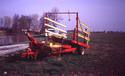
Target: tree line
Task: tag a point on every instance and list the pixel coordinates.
(19, 22)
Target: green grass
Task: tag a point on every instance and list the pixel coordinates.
(104, 58)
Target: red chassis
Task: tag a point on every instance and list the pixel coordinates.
(41, 48)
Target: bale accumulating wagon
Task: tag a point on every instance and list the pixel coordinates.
(57, 40)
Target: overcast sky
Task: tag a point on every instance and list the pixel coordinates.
(99, 14)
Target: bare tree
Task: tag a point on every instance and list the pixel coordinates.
(24, 22)
(53, 14)
(7, 22)
(34, 23)
(15, 25)
(41, 23)
(1, 22)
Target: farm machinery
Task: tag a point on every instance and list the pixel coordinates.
(56, 40)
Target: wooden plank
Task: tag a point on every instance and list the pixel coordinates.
(83, 24)
(84, 31)
(59, 46)
(53, 33)
(54, 22)
(87, 38)
(56, 28)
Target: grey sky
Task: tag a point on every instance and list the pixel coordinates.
(99, 14)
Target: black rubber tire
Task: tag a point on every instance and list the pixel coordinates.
(80, 50)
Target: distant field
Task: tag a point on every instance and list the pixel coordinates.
(106, 57)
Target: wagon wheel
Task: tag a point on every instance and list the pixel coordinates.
(80, 51)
